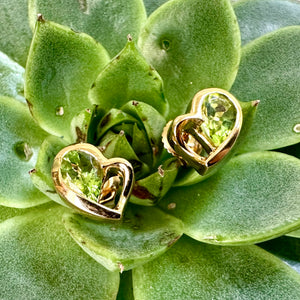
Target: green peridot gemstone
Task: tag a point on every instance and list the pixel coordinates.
(82, 174)
(219, 115)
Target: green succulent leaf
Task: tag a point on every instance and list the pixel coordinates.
(152, 121)
(295, 233)
(152, 5)
(16, 34)
(117, 145)
(125, 289)
(37, 251)
(149, 190)
(259, 17)
(189, 50)
(20, 139)
(80, 126)
(253, 198)
(62, 65)
(109, 22)
(10, 212)
(114, 117)
(125, 245)
(134, 78)
(42, 177)
(286, 248)
(192, 270)
(269, 71)
(188, 176)
(11, 78)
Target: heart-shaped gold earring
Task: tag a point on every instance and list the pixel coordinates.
(203, 137)
(91, 183)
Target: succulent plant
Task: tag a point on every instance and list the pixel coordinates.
(113, 73)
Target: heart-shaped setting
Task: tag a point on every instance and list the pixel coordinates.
(91, 183)
(203, 137)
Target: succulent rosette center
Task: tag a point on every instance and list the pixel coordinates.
(70, 77)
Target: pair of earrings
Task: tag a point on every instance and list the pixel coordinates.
(200, 139)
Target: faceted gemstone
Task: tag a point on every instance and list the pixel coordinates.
(219, 115)
(82, 174)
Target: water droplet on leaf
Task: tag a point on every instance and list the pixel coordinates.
(23, 151)
(297, 128)
(59, 111)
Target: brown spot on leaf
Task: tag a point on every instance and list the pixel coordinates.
(174, 240)
(135, 103)
(101, 148)
(40, 18)
(255, 103)
(155, 150)
(30, 106)
(50, 191)
(141, 192)
(161, 171)
(32, 171)
(105, 120)
(81, 136)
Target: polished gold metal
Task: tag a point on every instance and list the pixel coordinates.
(117, 183)
(183, 137)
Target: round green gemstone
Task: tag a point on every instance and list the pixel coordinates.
(219, 115)
(81, 173)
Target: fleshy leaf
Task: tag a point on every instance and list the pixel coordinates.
(188, 176)
(149, 190)
(61, 67)
(295, 233)
(10, 212)
(152, 121)
(192, 270)
(152, 5)
(16, 34)
(42, 178)
(37, 251)
(129, 77)
(253, 198)
(109, 22)
(269, 71)
(80, 126)
(124, 245)
(259, 17)
(112, 118)
(287, 249)
(117, 145)
(11, 78)
(193, 44)
(20, 139)
(125, 289)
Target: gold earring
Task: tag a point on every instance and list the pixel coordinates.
(203, 137)
(91, 183)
